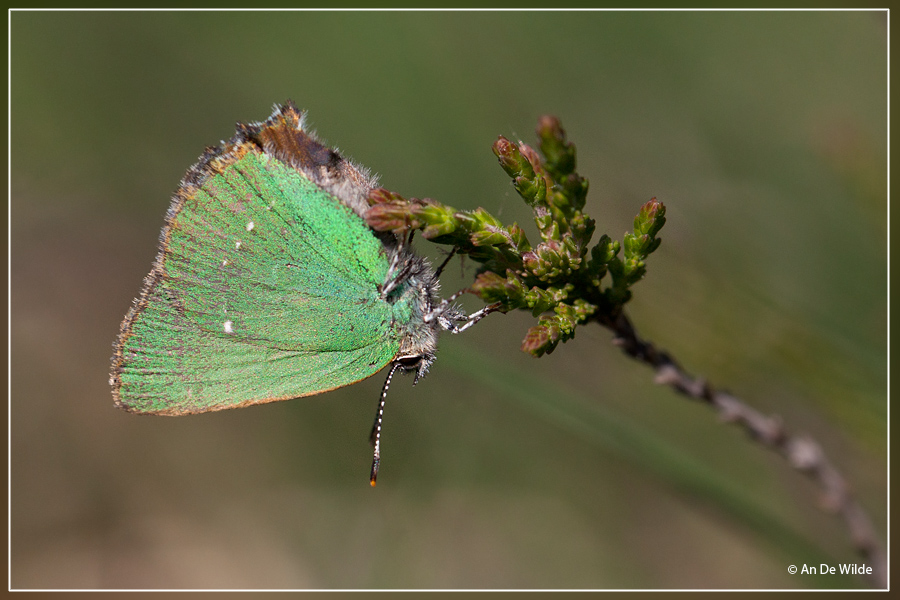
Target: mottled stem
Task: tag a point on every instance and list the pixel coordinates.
(801, 451)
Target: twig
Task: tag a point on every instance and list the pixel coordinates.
(802, 452)
(559, 280)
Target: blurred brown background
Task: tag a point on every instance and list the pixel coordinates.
(763, 133)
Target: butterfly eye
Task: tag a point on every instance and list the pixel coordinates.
(408, 363)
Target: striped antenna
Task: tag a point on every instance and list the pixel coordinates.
(375, 437)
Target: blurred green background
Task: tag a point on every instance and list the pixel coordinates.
(763, 133)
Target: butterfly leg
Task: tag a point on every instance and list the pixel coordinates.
(475, 317)
(440, 269)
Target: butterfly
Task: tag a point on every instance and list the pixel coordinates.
(269, 285)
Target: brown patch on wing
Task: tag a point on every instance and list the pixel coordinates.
(284, 136)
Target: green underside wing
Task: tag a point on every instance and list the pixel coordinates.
(266, 287)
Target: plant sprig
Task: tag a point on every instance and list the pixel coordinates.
(560, 280)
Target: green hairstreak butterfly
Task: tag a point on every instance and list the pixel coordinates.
(269, 285)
